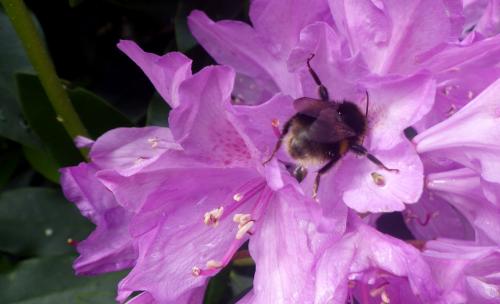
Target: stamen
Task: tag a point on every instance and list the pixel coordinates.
(213, 264)
(378, 179)
(276, 124)
(385, 298)
(452, 110)
(153, 142)
(244, 229)
(447, 90)
(470, 94)
(409, 216)
(196, 271)
(238, 197)
(212, 217)
(250, 189)
(71, 242)
(242, 218)
(380, 287)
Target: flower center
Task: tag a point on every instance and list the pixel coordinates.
(258, 196)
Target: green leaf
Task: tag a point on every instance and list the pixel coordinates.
(218, 289)
(183, 37)
(12, 59)
(240, 283)
(39, 221)
(74, 3)
(9, 158)
(51, 280)
(96, 114)
(43, 120)
(158, 110)
(43, 163)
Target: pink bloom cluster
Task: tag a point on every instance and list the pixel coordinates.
(175, 204)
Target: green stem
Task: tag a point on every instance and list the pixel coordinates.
(37, 53)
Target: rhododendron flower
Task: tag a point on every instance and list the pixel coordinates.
(110, 247)
(374, 268)
(190, 196)
(395, 103)
(196, 195)
(467, 273)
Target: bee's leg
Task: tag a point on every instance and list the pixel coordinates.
(360, 150)
(323, 92)
(279, 142)
(320, 172)
(366, 113)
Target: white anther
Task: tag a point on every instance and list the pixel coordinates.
(447, 90)
(470, 94)
(242, 219)
(196, 271)
(213, 264)
(238, 197)
(212, 217)
(153, 142)
(244, 229)
(385, 298)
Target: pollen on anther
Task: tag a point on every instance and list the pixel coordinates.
(196, 271)
(241, 218)
(378, 179)
(238, 197)
(275, 123)
(385, 298)
(212, 217)
(153, 142)
(244, 229)
(213, 264)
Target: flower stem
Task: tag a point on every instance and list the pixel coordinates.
(38, 55)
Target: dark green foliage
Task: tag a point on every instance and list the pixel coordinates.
(38, 222)
(108, 91)
(50, 280)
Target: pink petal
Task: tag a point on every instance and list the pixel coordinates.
(109, 247)
(83, 142)
(165, 72)
(340, 74)
(396, 104)
(240, 46)
(284, 248)
(201, 124)
(462, 189)
(363, 192)
(467, 273)
(281, 21)
(128, 150)
(365, 250)
(180, 240)
(257, 121)
(434, 217)
(391, 33)
(489, 23)
(470, 136)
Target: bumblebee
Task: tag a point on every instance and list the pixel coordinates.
(322, 131)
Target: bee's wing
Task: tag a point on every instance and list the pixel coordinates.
(310, 106)
(329, 127)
